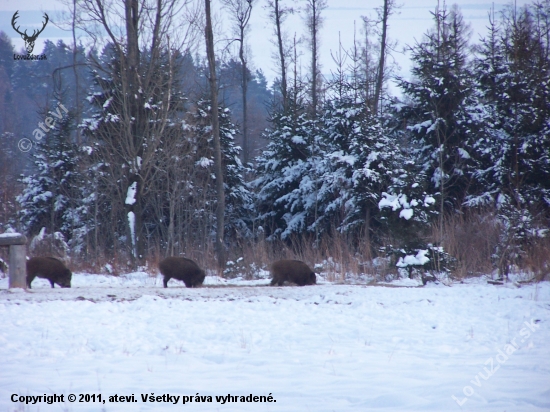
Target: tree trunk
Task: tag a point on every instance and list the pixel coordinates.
(380, 77)
(284, 87)
(314, 30)
(220, 208)
(135, 127)
(244, 91)
(76, 76)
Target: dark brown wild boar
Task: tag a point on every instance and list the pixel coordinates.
(48, 268)
(181, 269)
(294, 271)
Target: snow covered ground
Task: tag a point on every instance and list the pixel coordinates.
(467, 347)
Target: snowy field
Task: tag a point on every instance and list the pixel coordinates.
(464, 347)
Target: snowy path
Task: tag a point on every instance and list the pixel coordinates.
(320, 348)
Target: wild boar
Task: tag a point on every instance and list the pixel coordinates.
(48, 268)
(294, 271)
(181, 269)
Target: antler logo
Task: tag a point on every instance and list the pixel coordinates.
(29, 40)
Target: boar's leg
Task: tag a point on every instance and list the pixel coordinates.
(279, 282)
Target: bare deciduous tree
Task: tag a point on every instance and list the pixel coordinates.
(278, 14)
(240, 12)
(314, 21)
(143, 98)
(384, 14)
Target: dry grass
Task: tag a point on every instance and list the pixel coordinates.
(538, 259)
(470, 238)
(473, 240)
(334, 254)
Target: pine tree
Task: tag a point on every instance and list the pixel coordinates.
(286, 180)
(513, 148)
(52, 194)
(437, 107)
(239, 204)
(359, 160)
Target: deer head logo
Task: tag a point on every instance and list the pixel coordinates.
(29, 40)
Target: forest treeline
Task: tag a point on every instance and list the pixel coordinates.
(451, 174)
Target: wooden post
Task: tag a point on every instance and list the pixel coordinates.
(17, 260)
(18, 266)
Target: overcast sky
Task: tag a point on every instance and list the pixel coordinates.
(409, 23)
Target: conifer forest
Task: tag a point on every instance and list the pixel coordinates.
(152, 134)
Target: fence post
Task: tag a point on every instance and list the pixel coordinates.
(17, 260)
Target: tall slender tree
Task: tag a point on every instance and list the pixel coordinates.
(384, 15)
(240, 12)
(314, 22)
(278, 14)
(220, 205)
(437, 115)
